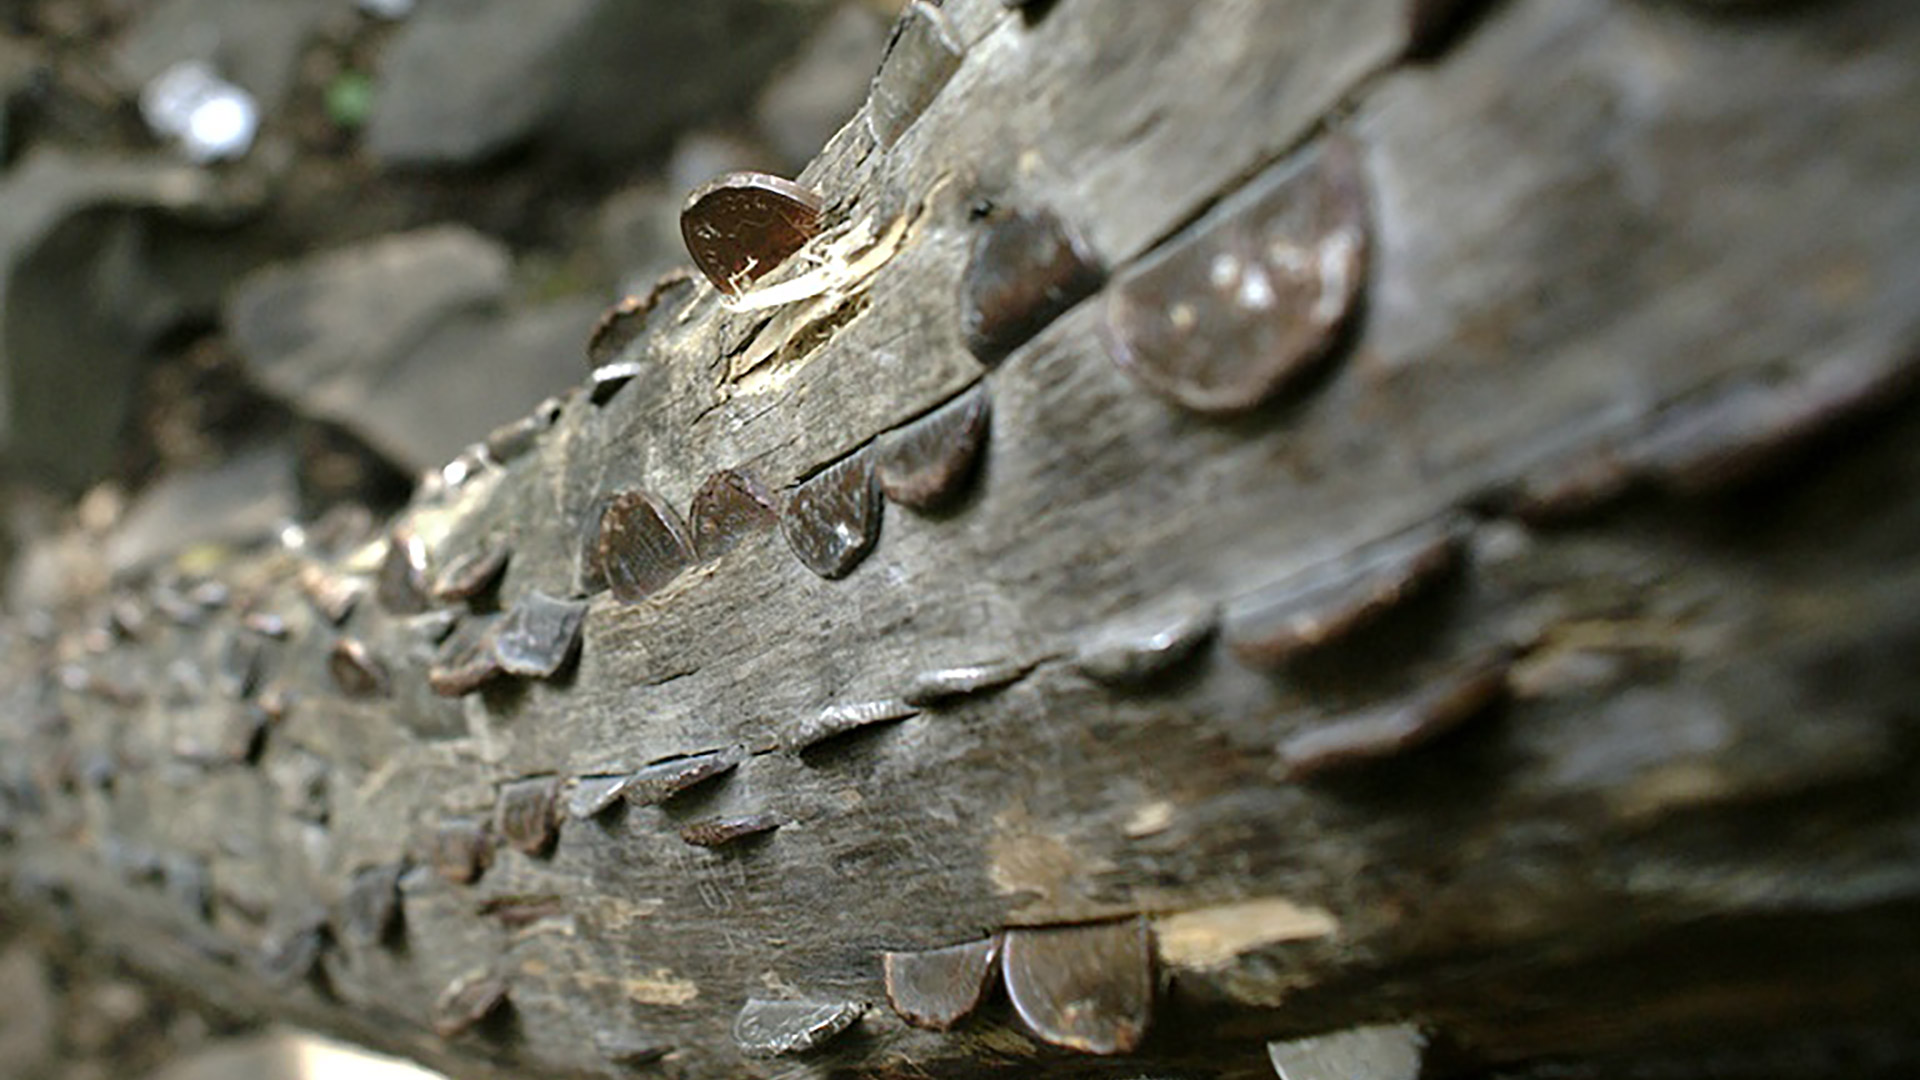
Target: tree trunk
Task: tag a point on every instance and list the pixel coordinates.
(1256, 517)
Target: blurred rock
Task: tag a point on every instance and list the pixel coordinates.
(474, 375)
(819, 89)
(639, 234)
(27, 1020)
(254, 43)
(309, 325)
(98, 258)
(405, 340)
(241, 501)
(18, 65)
(604, 80)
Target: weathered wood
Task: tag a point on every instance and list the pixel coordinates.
(1618, 780)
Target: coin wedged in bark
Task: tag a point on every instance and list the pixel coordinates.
(832, 519)
(643, 545)
(740, 226)
(928, 462)
(937, 988)
(1087, 987)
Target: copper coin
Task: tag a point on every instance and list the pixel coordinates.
(739, 226)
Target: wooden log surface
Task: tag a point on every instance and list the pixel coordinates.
(1440, 552)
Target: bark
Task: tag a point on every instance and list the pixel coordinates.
(1439, 553)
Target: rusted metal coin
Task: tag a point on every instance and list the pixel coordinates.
(623, 324)
(461, 849)
(739, 226)
(729, 506)
(643, 545)
(1083, 987)
(937, 988)
(527, 814)
(370, 912)
(921, 59)
(1025, 270)
(1331, 603)
(467, 1001)
(663, 780)
(1254, 295)
(357, 671)
(1434, 711)
(539, 636)
(333, 595)
(927, 463)
(719, 832)
(465, 661)
(833, 519)
(472, 573)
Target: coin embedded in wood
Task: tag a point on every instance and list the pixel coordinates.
(357, 671)
(236, 672)
(1252, 296)
(1434, 711)
(1332, 603)
(629, 1050)
(1083, 987)
(835, 721)
(773, 1028)
(539, 636)
(333, 595)
(467, 1001)
(833, 519)
(719, 832)
(1026, 268)
(589, 577)
(371, 911)
(472, 573)
(943, 685)
(920, 60)
(460, 850)
(625, 322)
(401, 585)
(927, 463)
(593, 795)
(663, 780)
(465, 661)
(739, 226)
(1138, 653)
(643, 545)
(728, 507)
(527, 814)
(290, 952)
(937, 988)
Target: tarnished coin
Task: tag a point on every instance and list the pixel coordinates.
(741, 225)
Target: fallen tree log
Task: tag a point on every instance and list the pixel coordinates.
(1252, 519)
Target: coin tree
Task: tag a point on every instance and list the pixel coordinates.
(1368, 539)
